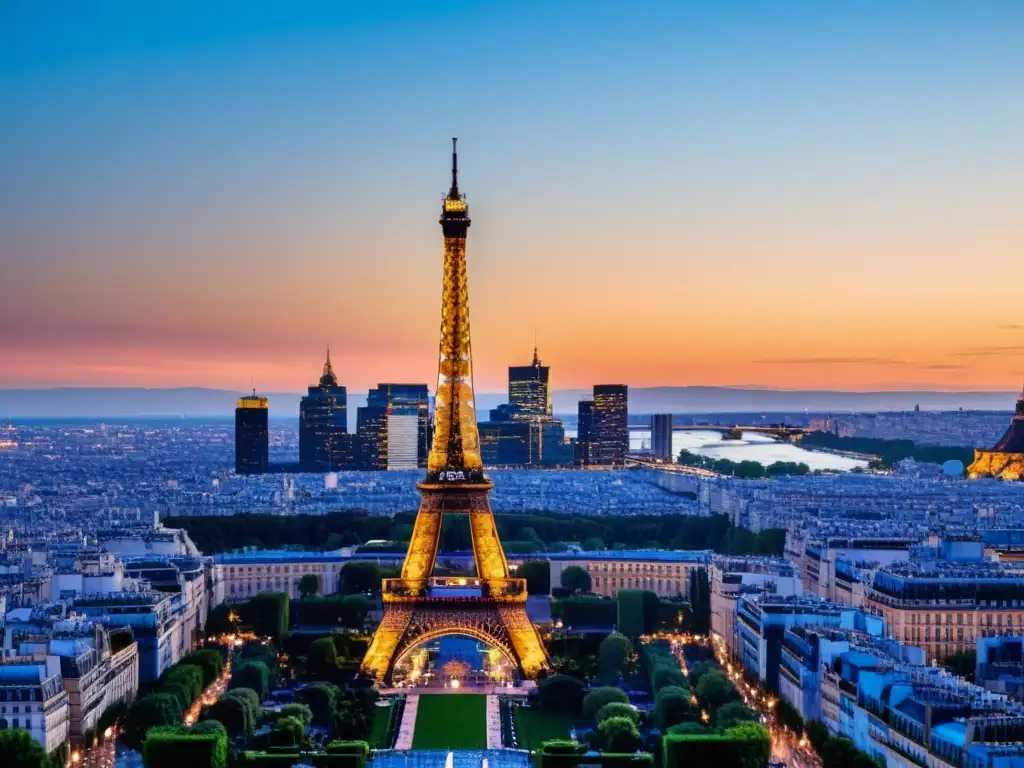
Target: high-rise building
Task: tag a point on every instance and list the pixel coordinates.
(393, 428)
(372, 438)
(324, 442)
(528, 389)
(661, 435)
(609, 433)
(252, 435)
(523, 432)
(584, 432)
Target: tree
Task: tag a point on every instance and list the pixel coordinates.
(253, 675)
(322, 700)
(616, 709)
(149, 712)
(538, 576)
(687, 728)
(614, 655)
(673, 705)
(599, 697)
(210, 661)
(267, 614)
(322, 659)
(19, 750)
(250, 700)
(700, 601)
(309, 585)
(561, 693)
(575, 579)
(593, 543)
(353, 611)
(962, 663)
(356, 578)
(232, 713)
(172, 747)
(817, 734)
(287, 732)
(619, 734)
(733, 713)
(402, 533)
(715, 689)
(697, 672)
(300, 712)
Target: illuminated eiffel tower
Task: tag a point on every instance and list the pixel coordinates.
(415, 608)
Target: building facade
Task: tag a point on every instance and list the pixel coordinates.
(945, 607)
(609, 432)
(665, 572)
(529, 392)
(584, 432)
(32, 697)
(324, 442)
(661, 436)
(252, 435)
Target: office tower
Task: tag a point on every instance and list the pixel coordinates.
(252, 436)
(528, 389)
(415, 607)
(609, 433)
(324, 443)
(506, 442)
(393, 428)
(661, 435)
(584, 432)
(372, 438)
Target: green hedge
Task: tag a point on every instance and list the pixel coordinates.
(585, 611)
(267, 614)
(569, 754)
(638, 612)
(169, 748)
(337, 754)
(744, 746)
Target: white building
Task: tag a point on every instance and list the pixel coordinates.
(403, 439)
(32, 697)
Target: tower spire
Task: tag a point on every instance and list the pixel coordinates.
(536, 357)
(328, 368)
(453, 193)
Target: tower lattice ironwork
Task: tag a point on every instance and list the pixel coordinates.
(414, 608)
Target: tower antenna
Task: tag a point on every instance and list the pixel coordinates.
(454, 191)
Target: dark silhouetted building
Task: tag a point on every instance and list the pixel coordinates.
(584, 431)
(522, 432)
(252, 436)
(324, 442)
(661, 435)
(393, 430)
(609, 431)
(528, 389)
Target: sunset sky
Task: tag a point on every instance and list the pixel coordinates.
(779, 194)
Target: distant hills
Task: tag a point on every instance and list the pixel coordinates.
(135, 402)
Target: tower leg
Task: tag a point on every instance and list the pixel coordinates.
(426, 534)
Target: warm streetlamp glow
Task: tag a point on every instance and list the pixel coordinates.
(705, 716)
(108, 733)
(75, 757)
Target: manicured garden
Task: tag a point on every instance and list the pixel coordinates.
(535, 726)
(452, 721)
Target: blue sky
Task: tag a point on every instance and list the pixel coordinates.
(190, 191)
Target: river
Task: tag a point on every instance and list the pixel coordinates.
(754, 447)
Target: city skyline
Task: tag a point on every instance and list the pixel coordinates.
(823, 195)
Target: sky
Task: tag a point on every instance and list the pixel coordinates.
(774, 194)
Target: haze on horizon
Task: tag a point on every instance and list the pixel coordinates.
(783, 195)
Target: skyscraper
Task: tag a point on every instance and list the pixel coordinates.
(393, 428)
(661, 435)
(609, 433)
(528, 391)
(252, 436)
(584, 432)
(324, 442)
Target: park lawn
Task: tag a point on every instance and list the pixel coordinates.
(451, 721)
(379, 731)
(535, 726)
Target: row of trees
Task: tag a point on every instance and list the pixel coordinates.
(889, 451)
(521, 533)
(172, 695)
(745, 469)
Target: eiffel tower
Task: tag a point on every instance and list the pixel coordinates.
(415, 608)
